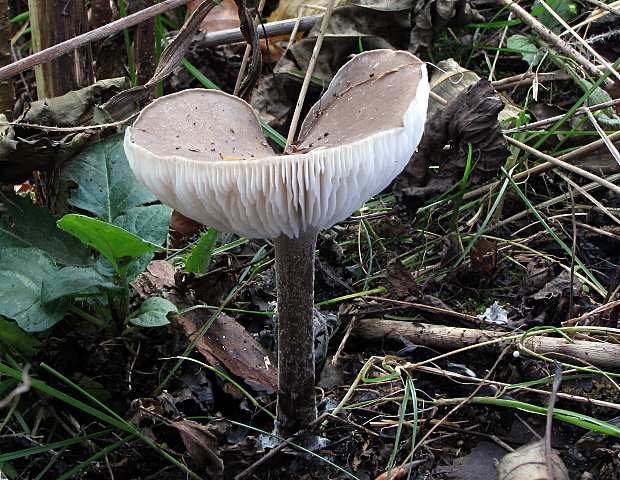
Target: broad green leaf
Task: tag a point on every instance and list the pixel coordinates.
(526, 47)
(149, 223)
(22, 271)
(106, 186)
(26, 225)
(15, 338)
(93, 387)
(119, 246)
(74, 281)
(154, 312)
(199, 260)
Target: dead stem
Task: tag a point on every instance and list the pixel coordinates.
(544, 167)
(566, 166)
(552, 38)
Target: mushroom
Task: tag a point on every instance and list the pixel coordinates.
(203, 153)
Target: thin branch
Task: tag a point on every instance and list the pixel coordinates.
(217, 38)
(309, 70)
(552, 38)
(567, 166)
(577, 37)
(102, 32)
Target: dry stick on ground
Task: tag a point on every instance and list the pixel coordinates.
(579, 112)
(567, 166)
(449, 338)
(527, 79)
(552, 38)
(543, 167)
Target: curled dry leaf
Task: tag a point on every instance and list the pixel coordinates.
(551, 304)
(449, 79)
(469, 118)
(529, 462)
(24, 150)
(201, 445)
(435, 16)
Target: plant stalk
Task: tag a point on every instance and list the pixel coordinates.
(295, 281)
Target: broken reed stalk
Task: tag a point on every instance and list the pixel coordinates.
(309, 70)
(600, 354)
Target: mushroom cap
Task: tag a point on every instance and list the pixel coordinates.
(203, 152)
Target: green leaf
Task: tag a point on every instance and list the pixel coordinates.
(26, 225)
(119, 246)
(149, 223)
(106, 185)
(526, 47)
(22, 271)
(565, 9)
(606, 117)
(199, 260)
(74, 281)
(15, 338)
(154, 312)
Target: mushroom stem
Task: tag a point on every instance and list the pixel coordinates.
(295, 280)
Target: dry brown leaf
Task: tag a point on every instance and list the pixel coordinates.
(201, 445)
(437, 15)
(290, 8)
(529, 462)
(469, 118)
(222, 17)
(448, 80)
(231, 344)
